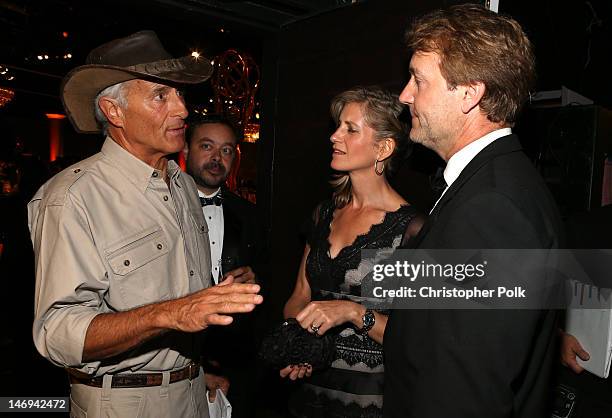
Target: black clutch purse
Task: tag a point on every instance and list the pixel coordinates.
(289, 343)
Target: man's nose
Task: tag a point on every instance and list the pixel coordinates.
(177, 104)
(407, 95)
(216, 156)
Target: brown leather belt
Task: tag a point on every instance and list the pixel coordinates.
(139, 380)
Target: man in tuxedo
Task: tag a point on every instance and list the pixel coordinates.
(210, 150)
(470, 72)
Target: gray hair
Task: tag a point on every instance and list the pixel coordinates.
(115, 92)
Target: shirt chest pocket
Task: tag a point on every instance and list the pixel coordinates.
(139, 268)
(137, 250)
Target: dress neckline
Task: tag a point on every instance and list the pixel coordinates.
(358, 237)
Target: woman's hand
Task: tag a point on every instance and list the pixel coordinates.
(296, 371)
(320, 316)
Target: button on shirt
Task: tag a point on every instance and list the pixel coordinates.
(462, 158)
(110, 235)
(214, 218)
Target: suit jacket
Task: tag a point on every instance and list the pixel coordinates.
(241, 238)
(478, 363)
(242, 246)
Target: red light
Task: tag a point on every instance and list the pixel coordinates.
(55, 116)
(65, 34)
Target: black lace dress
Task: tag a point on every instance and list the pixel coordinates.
(353, 385)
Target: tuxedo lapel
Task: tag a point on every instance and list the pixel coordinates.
(231, 231)
(501, 146)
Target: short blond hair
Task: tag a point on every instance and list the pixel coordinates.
(477, 45)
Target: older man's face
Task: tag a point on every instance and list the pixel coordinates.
(154, 119)
(212, 149)
(435, 109)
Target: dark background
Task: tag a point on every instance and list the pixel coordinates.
(307, 52)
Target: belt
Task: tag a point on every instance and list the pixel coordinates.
(138, 380)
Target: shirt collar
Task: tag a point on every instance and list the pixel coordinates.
(202, 194)
(462, 158)
(137, 171)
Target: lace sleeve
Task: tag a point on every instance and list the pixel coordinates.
(413, 227)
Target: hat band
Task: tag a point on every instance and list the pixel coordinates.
(158, 67)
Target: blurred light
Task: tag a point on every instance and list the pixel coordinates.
(40, 57)
(65, 34)
(221, 30)
(195, 54)
(6, 95)
(55, 116)
(46, 57)
(230, 102)
(11, 78)
(257, 115)
(251, 132)
(211, 100)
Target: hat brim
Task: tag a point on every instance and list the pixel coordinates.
(81, 86)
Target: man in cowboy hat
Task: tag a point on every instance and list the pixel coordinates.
(122, 254)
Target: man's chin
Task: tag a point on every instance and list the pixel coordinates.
(209, 183)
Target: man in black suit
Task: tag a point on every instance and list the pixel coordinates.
(210, 150)
(471, 70)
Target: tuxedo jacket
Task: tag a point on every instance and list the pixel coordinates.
(241, 236)
(478, 363)
(242, 246)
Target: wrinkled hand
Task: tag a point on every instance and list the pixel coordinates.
(214, 382)
(211, 306)
(296, 371)
(570, 348)
(243, 274)
(320, 316)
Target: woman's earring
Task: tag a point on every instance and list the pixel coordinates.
(382, 170)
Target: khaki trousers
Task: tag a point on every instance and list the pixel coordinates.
(186, 398)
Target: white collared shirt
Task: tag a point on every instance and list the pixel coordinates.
(462, 158)
(213, 215)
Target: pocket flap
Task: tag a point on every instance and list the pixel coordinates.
(137, 250)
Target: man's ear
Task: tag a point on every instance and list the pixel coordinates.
(472, 95)
(112, 111)
(385, 148)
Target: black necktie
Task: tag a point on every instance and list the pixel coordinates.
(438, 184)
(216, 200)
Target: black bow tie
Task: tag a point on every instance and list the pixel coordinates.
(216, 200)
(438, 184)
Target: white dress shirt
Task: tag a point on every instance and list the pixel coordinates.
(462, 158)
(213, 215)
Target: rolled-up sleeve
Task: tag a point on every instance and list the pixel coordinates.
(70, 279)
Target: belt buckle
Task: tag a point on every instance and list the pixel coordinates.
(192, 368)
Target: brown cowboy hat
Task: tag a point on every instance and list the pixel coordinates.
(140, 55)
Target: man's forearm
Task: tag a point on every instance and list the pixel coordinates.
(110, 334)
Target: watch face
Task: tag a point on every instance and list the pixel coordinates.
(368, 319)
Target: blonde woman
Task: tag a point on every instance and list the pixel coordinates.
(364, 213)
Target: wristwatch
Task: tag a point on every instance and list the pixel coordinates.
(369, 320)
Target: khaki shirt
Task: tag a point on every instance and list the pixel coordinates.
(110, 235)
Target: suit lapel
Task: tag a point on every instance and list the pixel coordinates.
(500, 146)
(231, 230)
